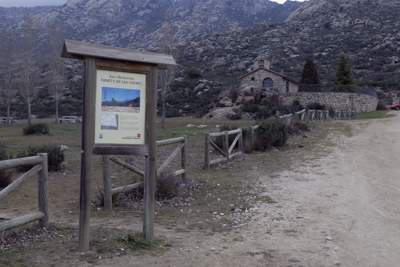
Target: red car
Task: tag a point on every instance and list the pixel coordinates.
(395, 107)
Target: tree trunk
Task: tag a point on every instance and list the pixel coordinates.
(8, 114)
(56, 109)
(28, 100)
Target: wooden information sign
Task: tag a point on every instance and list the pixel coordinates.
(119, 117)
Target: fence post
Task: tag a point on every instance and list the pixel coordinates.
(226, 145)
(183, 156)
(107, 196)
(206, 156)
(241, 141)
(42, 191)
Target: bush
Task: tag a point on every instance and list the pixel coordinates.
(297, 126)
(316, 106)
(194, 73)
(36, 129)
(234, 116)
(381, 105)
(5, 175)
(263, 113)
(250, 107)
(55, 156)
(271, 132)
(167, 187)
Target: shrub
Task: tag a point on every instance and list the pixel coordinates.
(5, 175)
(271, 132)
(194, 73)
(250, 107)
(381, 105)
(297, 126)
(36, 129)
(248, 145)
(263, 113)
(55, 156)
(167, 187)
(234, 116)
(316, 106)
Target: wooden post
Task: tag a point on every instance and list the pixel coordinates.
(241, 141)
(206, 148)
(183, 158)
(150, 160)
(42, 191)
(107, 196)
(86, 161)
(226, 144)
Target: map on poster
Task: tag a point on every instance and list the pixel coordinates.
(120, 108)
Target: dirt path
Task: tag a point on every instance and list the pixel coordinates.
(337, 210)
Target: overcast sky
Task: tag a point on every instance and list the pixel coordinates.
(30, 3)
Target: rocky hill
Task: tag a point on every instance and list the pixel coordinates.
(366, 30)
(136, 23)
(223, 38)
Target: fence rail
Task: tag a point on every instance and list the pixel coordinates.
(162, 169)
(40, 168)
(227, 149)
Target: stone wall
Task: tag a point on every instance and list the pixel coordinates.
(359, 103)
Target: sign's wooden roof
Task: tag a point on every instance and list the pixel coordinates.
(80, 50)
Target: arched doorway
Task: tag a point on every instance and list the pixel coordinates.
(268, 83)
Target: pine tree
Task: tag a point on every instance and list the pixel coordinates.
(344, 77)
(309, 77)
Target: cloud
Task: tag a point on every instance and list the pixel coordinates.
(31, 3)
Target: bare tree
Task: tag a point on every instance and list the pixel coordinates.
(57, 73)
(8, 88)
(28, 72)
(166, 77)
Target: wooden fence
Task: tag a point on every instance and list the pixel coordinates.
(40, 162)
(162, 169)
(225, 153)
(227, 149)
(344, 114)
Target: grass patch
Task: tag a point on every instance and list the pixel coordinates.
(379, 114)
(175, 127)
(136, 242)
(35, 246)
(226, 193)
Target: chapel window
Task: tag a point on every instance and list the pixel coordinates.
(268, 83)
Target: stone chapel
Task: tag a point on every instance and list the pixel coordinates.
(261, 81)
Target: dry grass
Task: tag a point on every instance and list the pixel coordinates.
(221, 198)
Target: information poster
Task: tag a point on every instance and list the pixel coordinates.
(120, 108)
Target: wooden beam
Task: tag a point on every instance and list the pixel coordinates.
(19, 181)
(138, 150)
(125, 188)
(21, 220)
(87, 147)
(150, 160)
(11, 163)
(81, 50)
(169, 160)
(127, 166)
(43, 192)
(107, 196)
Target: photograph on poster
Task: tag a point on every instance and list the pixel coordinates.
(120, 100)
(109, 121)
(120, 108)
